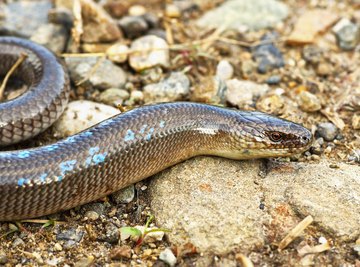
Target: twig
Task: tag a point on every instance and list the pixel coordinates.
(295, 232)
(9, 73)
(249, 45)
(206, 43)
(176, 47)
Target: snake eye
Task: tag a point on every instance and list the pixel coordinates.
(275, 136)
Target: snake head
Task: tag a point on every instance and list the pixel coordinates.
(272, 136)
(258, 135)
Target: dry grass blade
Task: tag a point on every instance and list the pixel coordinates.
(316, 249)
(244, 261)
(176, 47)
(294, 233)
(77, 30)
(334, 117)
(9, 73)
(92, 71)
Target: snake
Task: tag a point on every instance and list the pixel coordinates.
(116, 152)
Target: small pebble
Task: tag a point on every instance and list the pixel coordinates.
(356, 121)
(168, 257)
(92, 215)
(315, 157)
(117, 9)
(124, 196)
(133, 26)
(271, 104)
(52, 36)
(316, 148)
(104, 73)
(312, 54)
(112, 234)
(17, 242)
(272, 80)
(137, 96)
(71, 237)
(357, 249)
(97, 207)
(23, 18)
(173, 88)
(151, 51)
(119, 253)
(308, 25)
(327, 130)
(328, 150)
(268, 56)
(58, 247)
(143, 188)
(147, 252)
(3, 257)
(137, 10)
(224, 70)
(114, 96)
(61, 16)
(243, 93)
(347, 34)
(118, 53)
(308, 102)
(80, 115)
(85, 262)
(172, 11)
(209, 90)
(101, 27)
(324, 69)
(152, 20)
(243, 15)
(354, 156)
(37, 257)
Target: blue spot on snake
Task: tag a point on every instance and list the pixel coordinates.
(94, 156)
(51, 147)
(148, 136)
(88, 133)
(43, 177)
(71, 139)
(98, 158)
(162, 124)
(94, 150)
(88, 161)
(67, 166)
(143, 128)
(23, 154)
(21, 181)
(129, 136)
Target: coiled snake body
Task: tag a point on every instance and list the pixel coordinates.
(119, 151)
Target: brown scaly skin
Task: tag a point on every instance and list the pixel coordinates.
(130, 147)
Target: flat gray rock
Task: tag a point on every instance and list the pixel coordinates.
(331, 196)
(237, 14)
(103, 76)
(24, 17)
(211, 202)
(214, 203)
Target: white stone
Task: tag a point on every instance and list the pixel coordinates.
(149, 51)
(80, 115)
(168, 257)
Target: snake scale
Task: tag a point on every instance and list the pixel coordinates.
(116, 152)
